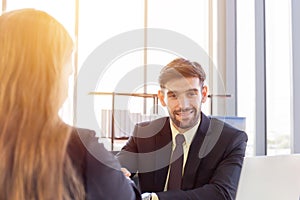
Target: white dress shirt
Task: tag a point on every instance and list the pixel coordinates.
(188, 135)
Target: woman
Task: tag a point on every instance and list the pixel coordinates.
(41, 157)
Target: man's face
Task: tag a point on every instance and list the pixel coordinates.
(183, 98)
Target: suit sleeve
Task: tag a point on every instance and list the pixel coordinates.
(128, 155)
(103, 177)
(224, 181)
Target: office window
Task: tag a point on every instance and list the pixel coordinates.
(129, 46)
(99, 25)
(189, 18)
(188, 26)
(101, 21)
(101, 28)
(95, 30)
(246, 68)
(110, 47)
(278, 72)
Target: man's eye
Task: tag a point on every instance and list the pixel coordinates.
(191, 94)
(172, 95)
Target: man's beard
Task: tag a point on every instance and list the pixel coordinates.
(185, 125)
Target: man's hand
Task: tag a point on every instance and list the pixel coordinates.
(126, 172)
(146, 196)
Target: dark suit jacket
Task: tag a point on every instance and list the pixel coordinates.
(212, 168)
(98, 168)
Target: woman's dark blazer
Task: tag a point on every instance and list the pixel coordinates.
(98, 168)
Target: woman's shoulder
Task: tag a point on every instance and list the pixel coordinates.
(87, 142)
(101, 172)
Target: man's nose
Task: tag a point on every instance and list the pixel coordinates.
(183, 101)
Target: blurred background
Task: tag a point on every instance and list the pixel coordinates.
(248, 49)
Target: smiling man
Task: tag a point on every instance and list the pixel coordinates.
(187, 155)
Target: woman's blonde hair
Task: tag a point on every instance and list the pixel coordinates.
(34, 164)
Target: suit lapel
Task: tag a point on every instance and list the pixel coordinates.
(163, 143)
(163, 150)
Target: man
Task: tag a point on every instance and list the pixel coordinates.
(213, 151)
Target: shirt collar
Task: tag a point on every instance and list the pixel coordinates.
(188, 135)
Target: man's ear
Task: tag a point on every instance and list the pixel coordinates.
(161, 97)
(204, 93)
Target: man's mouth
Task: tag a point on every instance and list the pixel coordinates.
(184, 113)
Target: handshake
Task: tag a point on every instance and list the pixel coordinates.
(146, 195)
